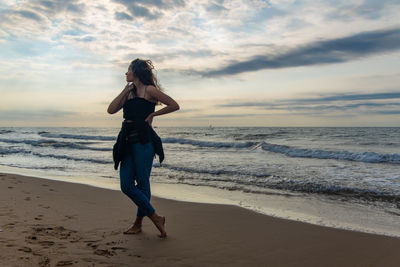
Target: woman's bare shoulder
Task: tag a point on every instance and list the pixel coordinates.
(151, 88)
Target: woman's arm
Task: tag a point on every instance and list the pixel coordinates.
(120, 100)
(171, 104)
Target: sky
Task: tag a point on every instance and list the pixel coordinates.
(227, 63)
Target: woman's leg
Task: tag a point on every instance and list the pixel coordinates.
(127, 180)
(143, 164)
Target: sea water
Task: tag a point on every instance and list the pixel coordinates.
(340, 177)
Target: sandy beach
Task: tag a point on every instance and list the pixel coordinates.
(51, 223)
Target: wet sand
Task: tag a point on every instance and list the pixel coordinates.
(51, 223)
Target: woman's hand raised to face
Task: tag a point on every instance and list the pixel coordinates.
(128, 87)
(119, 101)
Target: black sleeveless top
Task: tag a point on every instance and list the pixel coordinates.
(136, 111)
(138, 108)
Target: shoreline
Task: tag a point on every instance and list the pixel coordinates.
(315, 210)
(46, 222)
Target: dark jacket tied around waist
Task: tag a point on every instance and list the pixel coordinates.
(145, 132)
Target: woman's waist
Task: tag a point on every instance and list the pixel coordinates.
(136, 130)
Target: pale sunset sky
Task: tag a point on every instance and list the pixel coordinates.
(227, 63)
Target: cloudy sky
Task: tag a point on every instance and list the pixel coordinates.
(227, 63)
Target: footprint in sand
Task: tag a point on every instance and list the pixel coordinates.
(10, 187)
(104, 252)
(39, 217)
(46, 243)
(27, 198)
(70, 217)
(9, 225)
(134, 255)
(65, 263)
(119, 248)
(94, 246)
(58, 232)
(25, 249)
(31, 237)
(44, 262)
(115, 232)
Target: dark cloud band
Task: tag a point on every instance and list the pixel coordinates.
(370, 103)
(322, 52)
(29, 15)
(140, 8)
(122, 16)
(319, 100)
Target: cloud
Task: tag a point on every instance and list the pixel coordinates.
(29, 15)
(352, 97)
(232, 115)
(175, 54)
(39, 115)
(312, 103)
(74, 32)
(86, 39)
(321, 52)
(215, 8)
(50, 16)
(388, 112)
(57, 6)
(147, 9)
(122, 16)
(368, 9)
(141, 11)
(336, 103)
(321, 99)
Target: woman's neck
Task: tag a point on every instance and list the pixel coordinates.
(140, 89)
(139, 85)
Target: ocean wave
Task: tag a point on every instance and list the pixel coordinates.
(258, 136)
(199, 143)
(5, 151)
(51, 156)
(368, 157)
(78, 136)
(6, 131)
(99, 161)
(58, 168)
(291, 185)
(55, 144)
(336, 190)
(215, 171)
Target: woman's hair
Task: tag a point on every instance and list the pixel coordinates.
(143, 70)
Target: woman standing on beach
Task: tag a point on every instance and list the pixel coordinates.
(137, 141)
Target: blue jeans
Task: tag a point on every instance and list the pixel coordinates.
(137, 167)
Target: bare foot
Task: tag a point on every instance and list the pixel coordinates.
(159, 222)
(135, 229)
